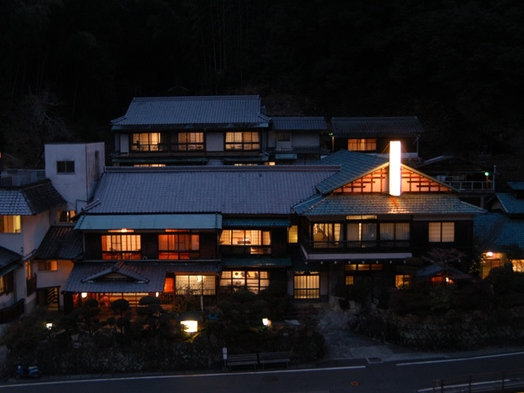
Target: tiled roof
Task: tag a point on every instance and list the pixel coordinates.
(375, 203)
(358, 127)
(353, 165)
(516, 185)
(142, 277)
(201, 110)
(299, 123)
(60, 242)
(222, 189)
(8, 261)
(497, 232)
(29, 200)
(510, 204)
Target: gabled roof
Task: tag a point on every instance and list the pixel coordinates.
(499, 233)
(30, 199)
(9, 261)
(362, 127)
(511, 205)
(223, 189)
(117, 272)
(435, 269)
(378, 204)
(299, 123)
(353, 166)
(189, 112)
(60, 242)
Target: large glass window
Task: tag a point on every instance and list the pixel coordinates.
(121, 247)
(145, 141)
(394, 234)
(327, 235)
(306, 286)
(254, 281)
(193, 284)
(190, 141)
(361, 234)
(441, 232)
(242, 141)
(362, 144)
(10, 224)
(182, 245)
(247, 241)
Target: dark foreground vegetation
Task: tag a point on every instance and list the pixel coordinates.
(472, 315)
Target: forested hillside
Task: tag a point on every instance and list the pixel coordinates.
(67, 67)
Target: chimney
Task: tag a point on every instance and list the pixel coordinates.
(395, 180)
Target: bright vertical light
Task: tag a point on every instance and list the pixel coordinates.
(394, 169)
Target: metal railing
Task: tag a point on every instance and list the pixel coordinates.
(501, 381)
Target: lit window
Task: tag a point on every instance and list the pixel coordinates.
(50, 266)
(66, 215)
(441, 232)
(361, 234)
(350, 280)
(326, 235)
(242, 141)
(363, 144)
(306, 286)
(402, 281)
(145, 141)
(178, 246)
(189, 284)
(246, 241)
(65, 167)
(2, 284)
(395, 234)
(10, 224)
(121, 247)
(190, 141)
(254, 281)
(292, 234)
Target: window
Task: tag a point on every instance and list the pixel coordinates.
(254, 281)
(284, 136)
(190, 141)
(350, 280)
(247, 241)
(242, 141)
(403, 281)
(363, 144)
(183, 245)
(65, 167)
(66, 215)
(195, 284)
(361, 234)
(10, 224)
(306, 286)
(292, 234)
(30, 277)
(394, 234)
(50, 266)
(121, 247)
(2, 285)
(145, 141)
(441, 232)
(326, 235)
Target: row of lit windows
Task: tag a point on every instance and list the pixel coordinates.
(186, 141)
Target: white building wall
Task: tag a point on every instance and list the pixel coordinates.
(51, 279)
(76, 188)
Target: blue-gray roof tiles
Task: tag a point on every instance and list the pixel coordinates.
(499, 233)
(384, 204)
(299, 123)
(30, 199)
(356, 127)
(510, 204)
(226, 190)
(187, 112)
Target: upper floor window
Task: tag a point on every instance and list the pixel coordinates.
(10, 224)
(121, 247)
(183, 245)
(254, 281)
(190, 141)
(49, 266)
(441, 232)
(284, 136)
(66, 215)
(394, 234)
(242, 140)
(292, 234)
(250, 241)
(362, 234)
(65, 167)
(362, 144)
(145, 141)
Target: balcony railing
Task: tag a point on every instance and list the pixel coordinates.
(471, 185)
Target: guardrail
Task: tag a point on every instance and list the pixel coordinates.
(505, 381)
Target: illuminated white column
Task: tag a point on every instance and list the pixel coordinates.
(395, 181)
